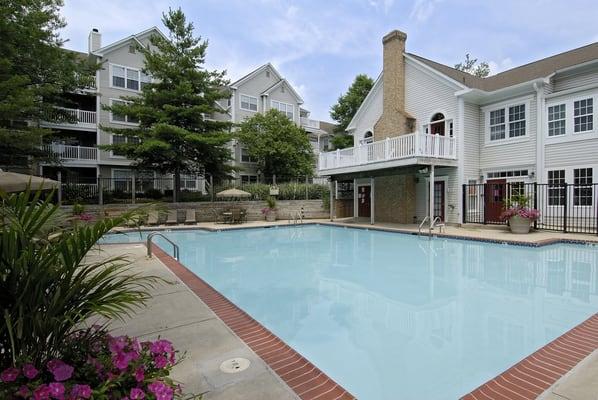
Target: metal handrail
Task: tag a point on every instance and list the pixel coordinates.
(419, 230)
(149, 244)
(434, 224)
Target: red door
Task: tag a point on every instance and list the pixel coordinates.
(363, 201)
(439, 200)
(494, 199)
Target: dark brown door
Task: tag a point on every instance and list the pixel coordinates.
(439, 200)
(494, 199)
(364, 201)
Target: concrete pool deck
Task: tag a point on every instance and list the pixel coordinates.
(177, 314)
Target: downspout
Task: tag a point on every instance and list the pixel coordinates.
(540, 101)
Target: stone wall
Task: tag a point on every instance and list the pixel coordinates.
(394, 199)
(206, 211)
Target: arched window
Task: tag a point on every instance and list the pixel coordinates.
(437, 124)
(368, 137)
(437, 117)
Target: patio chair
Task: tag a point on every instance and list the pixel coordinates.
(172, 218)
(236, 216)
(153, 218)
(190, 217)
(226, 216)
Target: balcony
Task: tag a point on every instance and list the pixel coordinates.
(410, 149)
(73, 153)
(81, 119)
(310, 123)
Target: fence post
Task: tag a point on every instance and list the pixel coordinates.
(565, 201)
(133, 188)
(274, 180)
(212, 188)
(306, 188)
(100, 191)
(463, 201)
(59, 176)
(536, 203)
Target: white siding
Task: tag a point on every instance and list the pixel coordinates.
(571, 81)
(576, 153)
(472, 140)
(369, 114)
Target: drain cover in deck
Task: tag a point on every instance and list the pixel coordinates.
(235, 365)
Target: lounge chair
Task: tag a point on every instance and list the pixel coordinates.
(153, 218)
(190, 217)
(172, 217)
(236, 216)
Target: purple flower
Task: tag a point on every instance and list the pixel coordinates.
(139, 374)
(81, 391)
(160, 361)
(136, 394)
(56, 390)
(117, 344)
(161, 346)
(42, 392)
(9, 374)
(30, 371)
(160, 390)
(121, 360)
(61, 370)
(23, 392)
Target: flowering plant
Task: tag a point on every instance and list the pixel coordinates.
(99, 366)
(85, 217)
(271, 205)
(518, 206)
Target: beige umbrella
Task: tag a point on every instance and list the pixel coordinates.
(14, 182)
(233, 194)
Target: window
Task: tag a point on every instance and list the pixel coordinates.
(132, 79)
(115, 117)
(556, 120)
(284, 108)
(122, 179)
(508, 174)
(118, 76)
(145, 79)
(517, 120)
(245, 157)
(248, 103)
(583, 112)
(582, 190)
(517, 189)
(497, 124)
(556, 187)
(128, 78)
(121, 139)
(248, 178)
(189, 182)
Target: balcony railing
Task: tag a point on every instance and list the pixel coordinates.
(310, 123)
(65, 152)
(79, 116)
(395, 148)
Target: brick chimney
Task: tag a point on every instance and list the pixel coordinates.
(394, 120)
(94, 41)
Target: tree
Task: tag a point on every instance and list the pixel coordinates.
(348, 103)
(278, 145)
(342, 141)
(481, 70)
(35, 72)
(175, 134)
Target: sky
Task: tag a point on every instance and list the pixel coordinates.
(319, 46)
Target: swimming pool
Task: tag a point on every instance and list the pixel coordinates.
(394, 316)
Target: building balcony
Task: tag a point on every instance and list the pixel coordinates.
(73, 153)
(308, 123)
(81, 119)
(410, 149)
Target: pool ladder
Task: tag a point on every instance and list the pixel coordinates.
(296, 217)
(440, 225)
(149, 243)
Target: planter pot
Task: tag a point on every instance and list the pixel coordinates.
(519, 224)
(271, 216)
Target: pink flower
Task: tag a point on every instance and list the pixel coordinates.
(160, 361)
(139, 374)
(161, 346)
(23, 392)
(121, 360)
(9, 374)
(81, 391)
(42, 392)
(61, 370)
(136, 394)
(56, 390)
(30, 371)
(117, 344)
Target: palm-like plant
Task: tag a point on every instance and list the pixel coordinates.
(47, 287)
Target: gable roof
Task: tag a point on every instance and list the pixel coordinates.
(524, 73)
(254, 73)
(279, 83)
(102, 50)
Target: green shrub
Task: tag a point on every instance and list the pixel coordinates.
(154, 194)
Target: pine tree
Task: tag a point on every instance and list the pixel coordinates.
(175, 134)
(35, 72)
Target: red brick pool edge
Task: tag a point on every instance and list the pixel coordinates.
(304, 378)
(533, 375)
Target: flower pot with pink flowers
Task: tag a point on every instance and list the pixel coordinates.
(270, 210)
(519, 215)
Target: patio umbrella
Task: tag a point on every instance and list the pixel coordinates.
(14, 182)
(233, 194)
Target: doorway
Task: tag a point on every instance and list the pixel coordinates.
(439, 200)
(364, 201)
(494, 199)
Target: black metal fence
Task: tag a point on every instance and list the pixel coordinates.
(140, 189)
(563, 207)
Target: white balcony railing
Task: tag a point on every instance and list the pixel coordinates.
(79, 116)
(395, 148)
(310, 123)
(65, 152)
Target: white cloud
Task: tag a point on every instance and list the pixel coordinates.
(423, 9)
(500, 65)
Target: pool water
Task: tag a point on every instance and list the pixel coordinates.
(395, 316)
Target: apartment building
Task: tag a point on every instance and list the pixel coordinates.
(428, 128)
(76, 143)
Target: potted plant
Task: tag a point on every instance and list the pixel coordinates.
(270, 210)
(519, 215)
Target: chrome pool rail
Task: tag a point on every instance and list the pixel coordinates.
(419, 230)
(149, 244)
